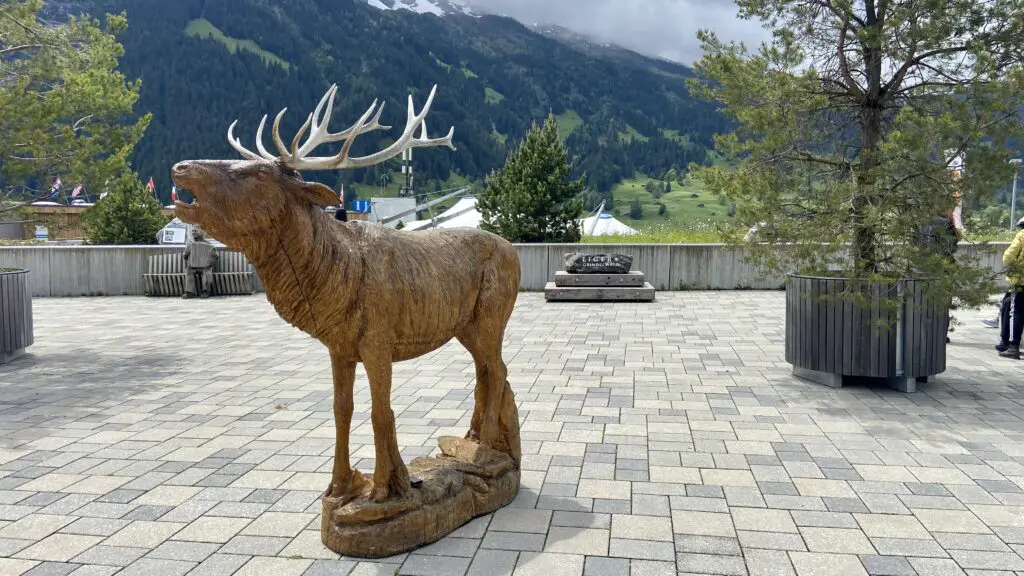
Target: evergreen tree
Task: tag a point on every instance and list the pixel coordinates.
(850, 120)
(636, 210)
(129, 214)
(63, 102)
(668, 186)
(533, 199)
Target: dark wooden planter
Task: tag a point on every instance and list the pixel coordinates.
(15, 314)
(830, 336)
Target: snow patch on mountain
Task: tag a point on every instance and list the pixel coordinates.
(435, 7)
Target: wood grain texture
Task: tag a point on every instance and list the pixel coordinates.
(828, 331)
(16, 328)
(376, 295)
(466, 481)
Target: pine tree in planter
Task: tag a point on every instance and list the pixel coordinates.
(848, 124)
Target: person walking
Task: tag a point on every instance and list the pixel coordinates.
(1013, 327)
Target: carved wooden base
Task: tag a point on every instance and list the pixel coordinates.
(466, 481)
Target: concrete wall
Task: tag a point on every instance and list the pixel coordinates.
(62, 271)
(667, 266)
(118, 270)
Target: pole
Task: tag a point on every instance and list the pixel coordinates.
(1013, 195)
(406, 188)
(597, 218)
(1013, 203)
(428, 205)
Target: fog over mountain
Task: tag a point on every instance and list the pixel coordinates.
(665, 28)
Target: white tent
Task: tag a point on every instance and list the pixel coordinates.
(462, 215)
(604, 225)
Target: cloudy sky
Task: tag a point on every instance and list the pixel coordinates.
(664, 28)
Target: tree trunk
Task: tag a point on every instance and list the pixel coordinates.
(865, 241)
(865, 248)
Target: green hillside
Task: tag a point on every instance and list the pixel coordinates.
(206, 63)
(203, 28)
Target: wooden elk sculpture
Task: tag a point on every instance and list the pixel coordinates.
(374, 295)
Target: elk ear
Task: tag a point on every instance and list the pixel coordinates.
(318, 194)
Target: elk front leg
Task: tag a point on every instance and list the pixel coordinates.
(390, 477)
(343, 481)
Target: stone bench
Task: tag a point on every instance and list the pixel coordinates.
(233, 274)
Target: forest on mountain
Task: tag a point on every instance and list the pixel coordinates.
(206, 63)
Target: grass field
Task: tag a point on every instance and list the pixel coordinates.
(632, 134)
(492, 96)
(693, 233)
(686, 204)
(203, 28)
(568, 122)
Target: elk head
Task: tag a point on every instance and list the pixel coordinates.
(237, 200)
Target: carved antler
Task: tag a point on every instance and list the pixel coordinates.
(297, 158)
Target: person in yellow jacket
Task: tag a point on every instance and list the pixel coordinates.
(1013, 321)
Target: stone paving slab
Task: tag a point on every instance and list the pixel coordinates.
(162, 437)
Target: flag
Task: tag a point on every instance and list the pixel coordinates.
(174, 194)
(150, 185)
(341, 195)
(76, 191)
(55, 189)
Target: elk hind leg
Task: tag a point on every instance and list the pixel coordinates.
(495, 416)
(468, 340)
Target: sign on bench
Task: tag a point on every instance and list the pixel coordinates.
(232, 275)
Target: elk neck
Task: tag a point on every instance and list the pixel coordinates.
(311, 268)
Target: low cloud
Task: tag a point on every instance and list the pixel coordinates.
(666, 28)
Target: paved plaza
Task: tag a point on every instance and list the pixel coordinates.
(152, 437)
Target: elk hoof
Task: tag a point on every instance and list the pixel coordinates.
(397, 487)
(337, 491)
(347, 487)
(380, 494)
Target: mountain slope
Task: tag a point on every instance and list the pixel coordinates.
(205, 63)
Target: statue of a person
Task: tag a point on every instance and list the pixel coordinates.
(199, 257)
